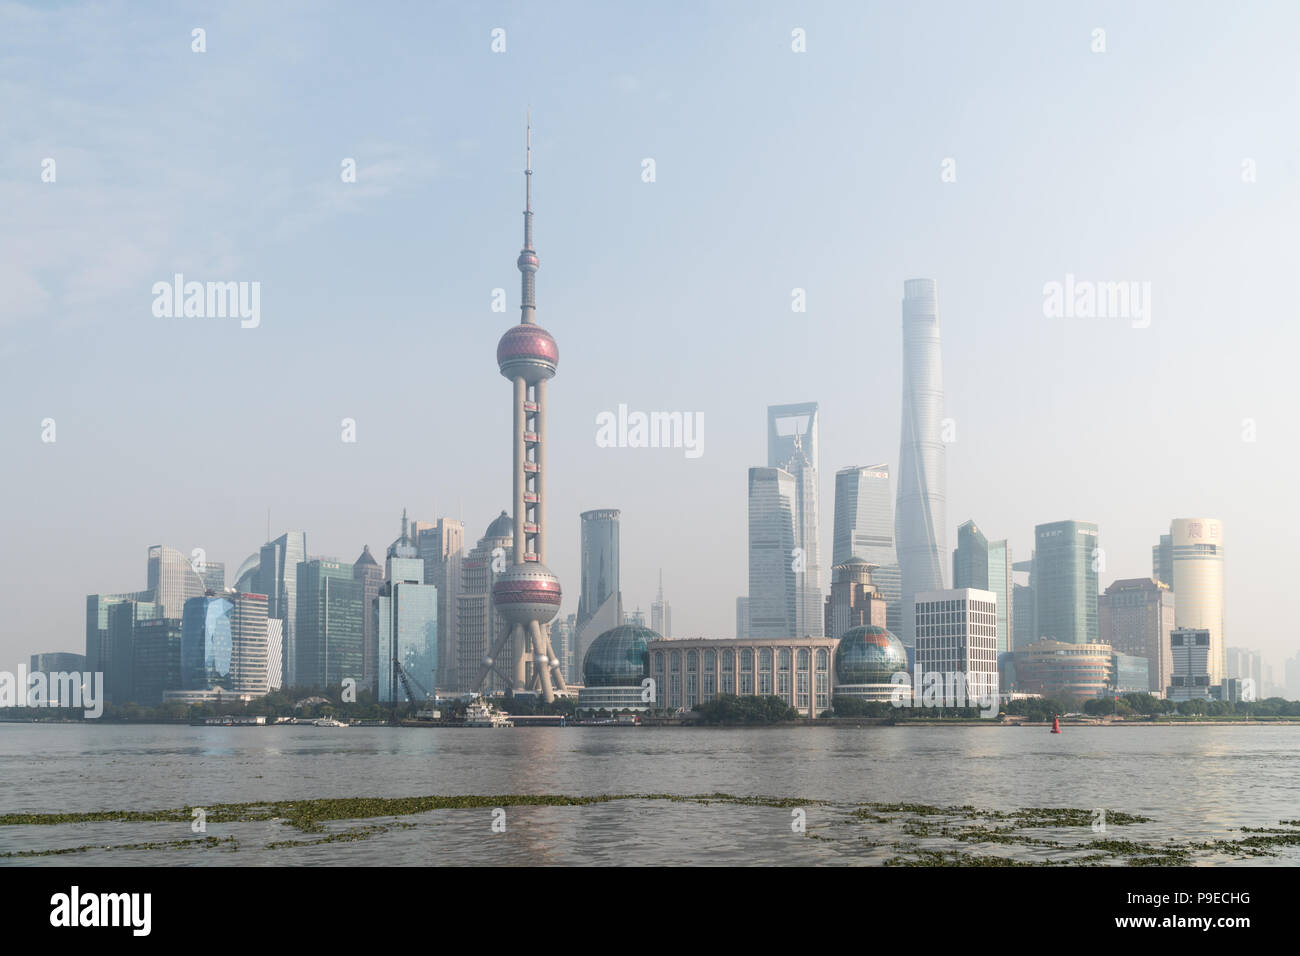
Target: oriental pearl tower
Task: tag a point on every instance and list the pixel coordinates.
(527, 594)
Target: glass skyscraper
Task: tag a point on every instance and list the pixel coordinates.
(173, 579)
(772, 580)
(157, 664)
(277, 576)
(979, 563)
(920, 521)
(207, 644)
(864, 516)
(1065, 582)
(792, 439)
(600, 572)
(328, 630)
(407, 615)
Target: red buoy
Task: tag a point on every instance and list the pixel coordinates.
(1056, 724)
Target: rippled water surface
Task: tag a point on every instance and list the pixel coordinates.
(1195, 782)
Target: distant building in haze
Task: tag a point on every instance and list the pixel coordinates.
(1162, 560)
(661, 614)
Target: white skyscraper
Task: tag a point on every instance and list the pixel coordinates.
(1198, 552)
(921, 519)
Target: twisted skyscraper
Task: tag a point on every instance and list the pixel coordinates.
(527, 594)
(921, 517)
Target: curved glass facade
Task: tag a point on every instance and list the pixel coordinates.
(868, 655)
(619, 657)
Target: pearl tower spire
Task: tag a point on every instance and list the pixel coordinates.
(527, 595)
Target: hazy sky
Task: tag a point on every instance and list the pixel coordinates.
(775, 170)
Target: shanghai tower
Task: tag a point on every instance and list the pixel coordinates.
(921, 517)
(527, 594)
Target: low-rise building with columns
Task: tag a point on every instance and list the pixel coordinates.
(691, 671)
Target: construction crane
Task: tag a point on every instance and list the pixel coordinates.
(407, 680)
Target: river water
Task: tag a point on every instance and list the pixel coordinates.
(1195, 782)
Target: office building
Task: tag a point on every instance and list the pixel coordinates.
(173, 580)
(773, 580)
(957, 632)
(853, 601)
(99, 650)
(1065, 669)
(480, 626)
(792, 440)
(1198, 572)
(1066, 559)
(274, 653)
(1135, 616)
(223, 643)
(278, 580)
(157, 663)
(600, 601)
(442, 548)
(58, 668)
(986, 566)
(407, 617)
(367, 572)
(328, 629)
(122, 620)
(1192, 652)
(864, 515)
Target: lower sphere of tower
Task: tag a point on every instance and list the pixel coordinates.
(527, 592)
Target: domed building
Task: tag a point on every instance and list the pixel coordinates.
(613, 670)
(866, 660)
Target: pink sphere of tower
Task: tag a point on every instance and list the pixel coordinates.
(528, 351)
(527, 592)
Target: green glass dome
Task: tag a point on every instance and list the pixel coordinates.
(619, 658)
(869, 655)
